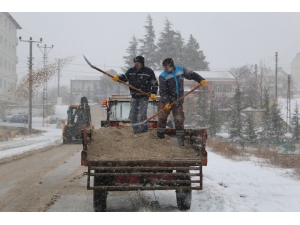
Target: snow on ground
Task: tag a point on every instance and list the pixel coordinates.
(246, 186)
(51, 136)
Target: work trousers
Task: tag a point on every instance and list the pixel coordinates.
(178, 116)
(138, 113)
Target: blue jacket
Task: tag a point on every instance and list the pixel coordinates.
(143, 79)
(171, 85)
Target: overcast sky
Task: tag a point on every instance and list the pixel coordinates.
(228, 39)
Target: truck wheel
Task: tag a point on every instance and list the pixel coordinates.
(100, 196)
(184, 199)
(99, 199)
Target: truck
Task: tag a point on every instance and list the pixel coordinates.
(106, 174)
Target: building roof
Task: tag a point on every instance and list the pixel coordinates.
(13, 20)
(85, 77)
(209, 74)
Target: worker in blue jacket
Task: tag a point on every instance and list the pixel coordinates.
(171, 87)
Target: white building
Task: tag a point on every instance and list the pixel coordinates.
(295, 70)
(8, 56)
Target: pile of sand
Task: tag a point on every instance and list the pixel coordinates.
(121, 144)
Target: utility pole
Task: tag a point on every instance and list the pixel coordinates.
(256, 86)
(58, 75)
(288, 107)
(276, 77)
(45, 53)
(30, 81)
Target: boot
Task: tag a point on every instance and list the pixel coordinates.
(160, 135)
(180, 137)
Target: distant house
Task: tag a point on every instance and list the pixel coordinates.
(295, 70)
(88, 86)
(269, 80)
(221, 85)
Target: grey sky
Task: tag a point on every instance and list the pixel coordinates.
(229, 39)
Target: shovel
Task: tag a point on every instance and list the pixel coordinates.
(160, 111)
(111, 76)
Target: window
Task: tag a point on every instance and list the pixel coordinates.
(5, 64)
(222, 88)
(9, 66)
(1, 62)
(1, 40)
(4, 84)
(0, 83)
(5, 43)
(5, 23)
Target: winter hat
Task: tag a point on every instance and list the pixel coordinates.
(168, 62)
(139, 59)
(83, 100)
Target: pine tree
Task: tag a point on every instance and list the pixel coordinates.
(132, 50)
(193, 57)
(148, 48)
(296, 124)
(236, 123)
(276, 123)
(202, 107)
(265, 133)
(250, 131)
(170, 44)
(214, 124)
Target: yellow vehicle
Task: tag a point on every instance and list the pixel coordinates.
(71, 129)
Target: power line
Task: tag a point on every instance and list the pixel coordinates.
(45, 52)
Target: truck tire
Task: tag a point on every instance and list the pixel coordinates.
(184, 197)
(99, 196)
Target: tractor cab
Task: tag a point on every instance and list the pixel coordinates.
(118, 109)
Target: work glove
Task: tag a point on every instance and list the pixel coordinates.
(168, 106)
(202, 83)
(115, 78)
(153, 97)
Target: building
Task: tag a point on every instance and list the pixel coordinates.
(8, 56)
(221, 85)
(282, 83)
(92, 88)
(295, 70)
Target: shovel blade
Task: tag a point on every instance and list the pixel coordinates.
(140, 123)
(88, 62)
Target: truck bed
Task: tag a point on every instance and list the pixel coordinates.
(120, 144)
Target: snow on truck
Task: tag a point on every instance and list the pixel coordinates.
(118, 160)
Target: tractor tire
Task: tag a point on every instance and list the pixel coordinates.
(99, 196)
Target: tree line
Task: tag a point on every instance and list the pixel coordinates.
(170, 44)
